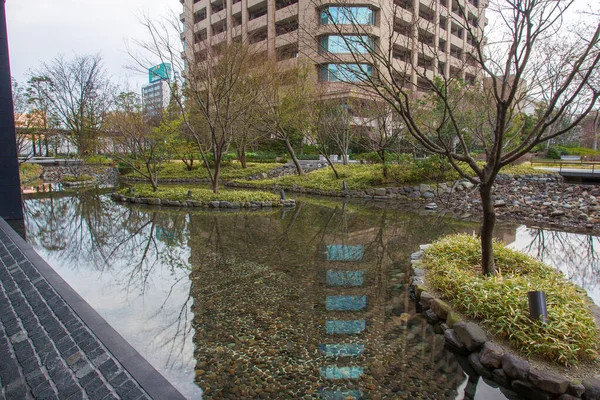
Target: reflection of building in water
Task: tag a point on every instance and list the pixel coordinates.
(310, 305)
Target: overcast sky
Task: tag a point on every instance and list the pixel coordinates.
(39, 30)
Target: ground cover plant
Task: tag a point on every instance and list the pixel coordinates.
(28, 172)
(232, 170)
(80, 178)
(500, 302)
(180, 192)
(359, 176)
(365, 176)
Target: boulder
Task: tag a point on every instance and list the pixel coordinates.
(452, 319)
(426, 298)
(592, 389)
(454, 343)
(576, 388)
(469, 333)
(515, 367)
(380, 192)
(528, 391)
(549, 382)
(154, 202)
(441, 308)
(478, 367)
(499, 376)
(431, 317)
(215, 204)
(491, 355)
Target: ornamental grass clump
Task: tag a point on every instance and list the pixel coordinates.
(500, 302)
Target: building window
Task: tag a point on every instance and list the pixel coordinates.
(346, 44)
(200, 15)
(347, 15)
(344, 72)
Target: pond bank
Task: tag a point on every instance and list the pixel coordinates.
(531, 379)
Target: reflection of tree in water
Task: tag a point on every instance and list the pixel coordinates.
(574, 254)
(133, 245)
(259, 293)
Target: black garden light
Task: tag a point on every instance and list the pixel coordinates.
(537, 306)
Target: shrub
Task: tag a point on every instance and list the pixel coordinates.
(98, 159)
(80, 178)
(500, 302)
(28, 171)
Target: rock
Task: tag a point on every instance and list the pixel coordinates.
(478, 367)
(567, 397)
(467, 185)
(499, 376)
(431, 206)
(414, 195)
(424, 188)
(499, 203)
(427, 195)
(234, 204)
(266, 204)
(469, 333)
(576, 388)
(380, 192)
(380, 198)
(441, 308)
(154, 202)
(454, 343)
(426, 298)
(515, 367)
(491, 355)
(592, 389)
(557, 213)
(215, 204)
(547, 381)
(452, 319)
(527, 390)
(431, 316)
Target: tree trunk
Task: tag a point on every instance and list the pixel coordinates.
(33, 144)
(215, 182)
(242, 157)
(337, 176)
(290, 150)
(385, 169)
(487, 230)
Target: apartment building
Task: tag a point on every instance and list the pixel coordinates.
(424, 37)
(157, 94)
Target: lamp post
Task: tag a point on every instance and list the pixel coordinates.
(10, 185)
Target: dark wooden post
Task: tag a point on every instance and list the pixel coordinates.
(10, 186)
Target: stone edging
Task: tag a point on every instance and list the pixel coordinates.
(490, 360)
(203, 204)
(409, 192)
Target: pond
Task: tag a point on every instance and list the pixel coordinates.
(310, 302)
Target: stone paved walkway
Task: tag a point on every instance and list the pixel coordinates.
(48, 352)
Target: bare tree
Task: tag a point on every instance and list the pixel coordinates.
(21, 110)
(139, 145)
(79, 93)
(284, 103)
(531, 55)
(212, 79)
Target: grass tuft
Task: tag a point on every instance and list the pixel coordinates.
(28, 172)
(233, 170)
(500, 302)
(180, 192)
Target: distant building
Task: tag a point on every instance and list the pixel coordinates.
(157, 94)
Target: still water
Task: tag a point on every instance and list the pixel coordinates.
(310, 302)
